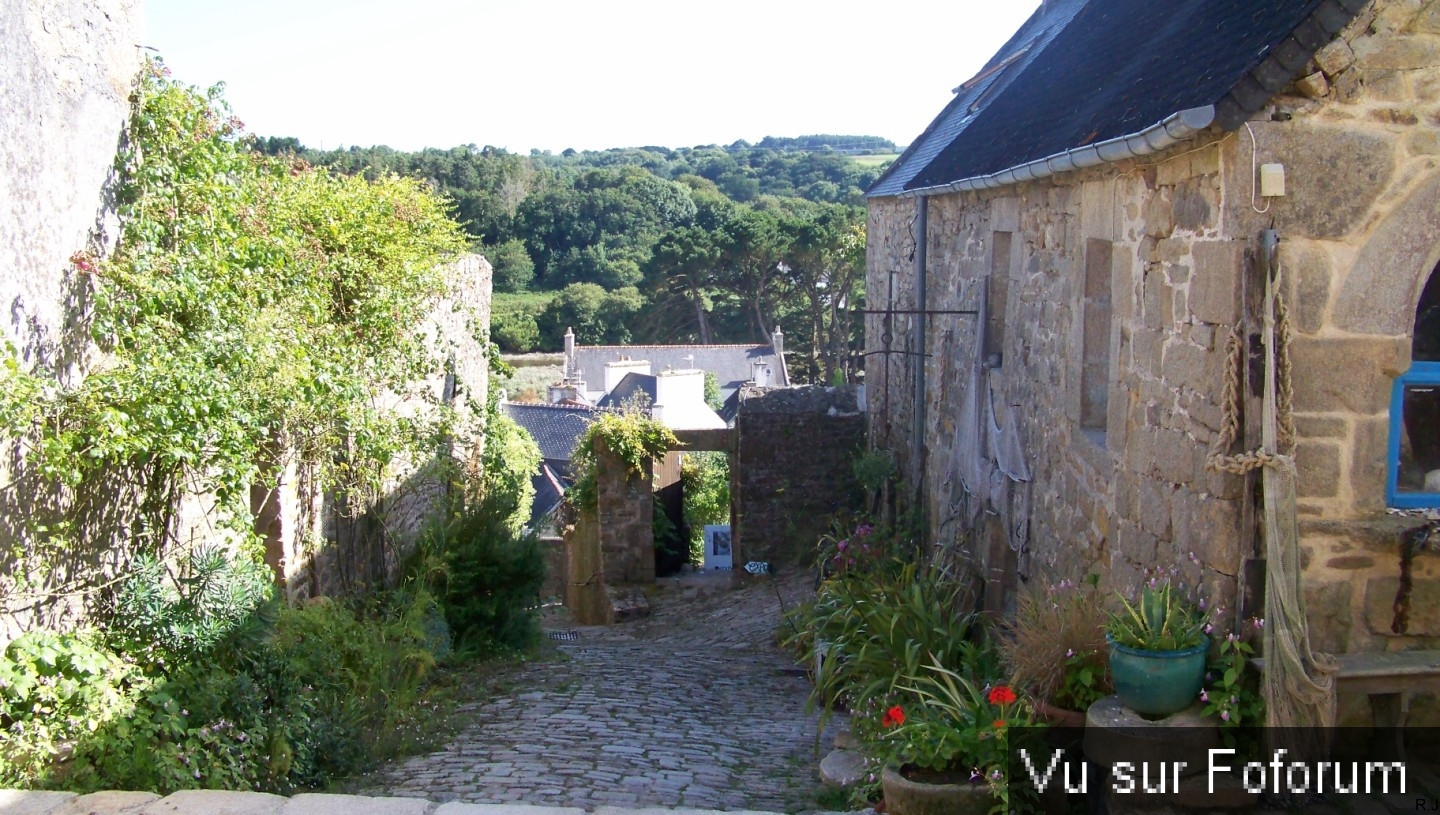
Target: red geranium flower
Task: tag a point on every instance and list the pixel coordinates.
(894, 717)
(1001, 695)
(998, 724)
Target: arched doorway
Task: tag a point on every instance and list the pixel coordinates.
(1414, 456)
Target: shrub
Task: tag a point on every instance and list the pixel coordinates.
(489, 579)
(705, 479)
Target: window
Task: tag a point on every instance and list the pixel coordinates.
(1095, 356)
(997, 296)
(1414, 459)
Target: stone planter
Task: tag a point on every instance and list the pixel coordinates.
(904, 796)
(1157, 683)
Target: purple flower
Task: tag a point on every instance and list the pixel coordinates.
(1209, 628)
(1259, 623)
(1204, 696)
(1224, 715)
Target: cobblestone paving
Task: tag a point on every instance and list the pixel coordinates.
(693, 706)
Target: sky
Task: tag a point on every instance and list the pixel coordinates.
(557, 74)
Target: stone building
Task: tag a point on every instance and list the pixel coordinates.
(1060, 260)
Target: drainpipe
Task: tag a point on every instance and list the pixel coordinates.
(917, 439)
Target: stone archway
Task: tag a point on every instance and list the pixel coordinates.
(1383, 288)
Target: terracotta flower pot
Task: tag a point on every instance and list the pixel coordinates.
(908, 796)
(1059, 716)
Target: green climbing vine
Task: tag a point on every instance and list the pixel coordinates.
(630, 435)
(253, 305)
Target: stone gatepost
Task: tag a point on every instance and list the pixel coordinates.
(626, 512)
(585, 593)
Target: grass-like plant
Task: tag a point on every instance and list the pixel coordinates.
(1055, 647)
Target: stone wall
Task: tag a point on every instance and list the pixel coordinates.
(1173, 239)
(321, 545)
(70, 66)
(793, 466)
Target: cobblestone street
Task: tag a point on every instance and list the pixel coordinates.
(694, 706)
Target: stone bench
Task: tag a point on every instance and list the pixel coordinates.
(1389, 680)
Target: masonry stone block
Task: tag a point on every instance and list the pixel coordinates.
(1381, 291)
(1196, 205)
(1328, 612)
(1424, 616)
(216, 802)
(1335, 57)
(1314, 426)
(1346, 374)
(1398, 52)
(1333, 175)
(1310, 270)
(1313, 86)
(1155, 508)
(1187, 365)
(1159, 215)
(326, 804)
(1424, 142)
(1368, 452)
(33, 802)
(1215, 286)
(1318, 469)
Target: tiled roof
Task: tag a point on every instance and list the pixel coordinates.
(1080, 72)
(555, 428)
(733, 365)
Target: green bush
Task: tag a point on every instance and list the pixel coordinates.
(161, 619)
(489, 579)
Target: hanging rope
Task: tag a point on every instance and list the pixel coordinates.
(1298, 684)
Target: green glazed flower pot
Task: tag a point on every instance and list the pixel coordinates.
(1157, 683)
(905, 796)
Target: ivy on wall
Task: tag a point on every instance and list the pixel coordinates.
(252, 303)
(635, 439)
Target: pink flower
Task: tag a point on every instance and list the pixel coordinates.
(1204, 696)
(1225, 715)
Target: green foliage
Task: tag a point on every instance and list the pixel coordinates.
(958, 723)
(320, 691)
(874, 629)
(243, 291)
(705, 483)
(164, 619)
(510, 261)
(488, 578)
(54, 689)
(511, 458)
(1160, 619)
(712, 392)
(1232, 695)
(599, 317)
(635, 439)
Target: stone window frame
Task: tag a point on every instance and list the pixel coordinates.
(1097, 357)
(1420, 373)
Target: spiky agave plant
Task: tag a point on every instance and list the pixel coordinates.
(1160, 619)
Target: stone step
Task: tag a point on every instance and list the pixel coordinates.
(219, 802)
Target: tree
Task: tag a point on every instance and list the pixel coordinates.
(598, 317)
(513, 269)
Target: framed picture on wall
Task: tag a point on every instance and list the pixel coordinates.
(718, 547)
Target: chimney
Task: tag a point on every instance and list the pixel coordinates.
(570, 371)
(760, 374)
(777, 340)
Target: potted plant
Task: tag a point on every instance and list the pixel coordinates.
(1158, 650)
(947, 751)
(1055, 648)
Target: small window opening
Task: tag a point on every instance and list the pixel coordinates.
(1414, 460)
(1095, 373)
(997, 298)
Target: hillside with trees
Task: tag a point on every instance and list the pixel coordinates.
(711, 244)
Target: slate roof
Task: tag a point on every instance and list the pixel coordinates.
(625, 392)
(555, 428)
(731, 364)
(1080, 72)
(550, 489)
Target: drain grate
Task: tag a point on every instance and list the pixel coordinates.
(563, 636)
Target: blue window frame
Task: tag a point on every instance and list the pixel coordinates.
(1413, 478)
